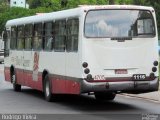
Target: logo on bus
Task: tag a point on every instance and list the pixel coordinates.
(35, 66)
(99, 77)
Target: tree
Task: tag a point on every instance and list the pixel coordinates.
(17, 12)
(3, 6)
(121, 2)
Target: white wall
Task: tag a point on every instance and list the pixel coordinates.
(18, 3)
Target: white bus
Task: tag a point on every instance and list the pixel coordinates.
(103, 50)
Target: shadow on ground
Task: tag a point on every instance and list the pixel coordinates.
(84, 102)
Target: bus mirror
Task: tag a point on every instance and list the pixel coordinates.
(2, 35)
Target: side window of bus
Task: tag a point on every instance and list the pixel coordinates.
(37, 37)
(13, 37)
(60, 35)
(28, 36)
(48, 36)
(20, 38)
(72, 35)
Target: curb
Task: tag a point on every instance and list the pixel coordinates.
(151, 96)
(142, 97)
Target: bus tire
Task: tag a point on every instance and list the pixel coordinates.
(16, 87)
(104, 96)
(47, 89)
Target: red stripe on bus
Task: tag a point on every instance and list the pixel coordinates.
(122, 79)
(61, 86)
(65, 86)
(25, 78)
(116, 80)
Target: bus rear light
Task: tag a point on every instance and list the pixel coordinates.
(107, 85)
(86, 71)
(154, 69)
(155, 63)
(85, 64)
(152, 76)
(89, 77)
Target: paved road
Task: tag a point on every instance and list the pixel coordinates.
(32, 101)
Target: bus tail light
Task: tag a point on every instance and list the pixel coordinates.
(152, 76)
(155, 63)
(154, 69)
(86, 71)
(89, 77)
(85, 64)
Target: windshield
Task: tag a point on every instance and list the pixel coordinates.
(119, 23)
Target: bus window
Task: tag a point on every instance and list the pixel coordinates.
(119, 23)
(72, 35)
(28, 36)
(60, 35)
(20, 38)
(13, 37)
(48, 36)
(145, 24)
(37, 38)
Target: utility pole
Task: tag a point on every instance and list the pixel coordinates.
(25, 3)
(111, 2)
(64, 3)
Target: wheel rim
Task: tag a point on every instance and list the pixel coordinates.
(47, 89)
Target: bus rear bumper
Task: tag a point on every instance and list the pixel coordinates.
(121, 87)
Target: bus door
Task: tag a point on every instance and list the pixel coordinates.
(27, 67)
(72, 56)
(5, 38)
(18, 54)
(53, 57)
(28, 55)
(59, 56)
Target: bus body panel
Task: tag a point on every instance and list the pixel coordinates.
(105, 56)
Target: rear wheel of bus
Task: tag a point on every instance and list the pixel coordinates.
(16, 87)
(47, 89)
(105, 96)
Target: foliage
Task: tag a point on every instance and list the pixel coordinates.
(3, 6)
(10, 14)
(34, 3)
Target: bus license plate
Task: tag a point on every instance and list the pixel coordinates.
(121, 71)
(139, 77)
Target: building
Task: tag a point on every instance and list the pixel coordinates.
(19, 3)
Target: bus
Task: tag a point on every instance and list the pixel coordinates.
(93, 49)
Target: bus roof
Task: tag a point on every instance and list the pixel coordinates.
(75, 12)
(115, 7)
